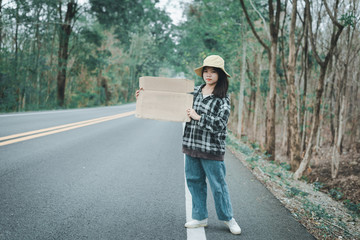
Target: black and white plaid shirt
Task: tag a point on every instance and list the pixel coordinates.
(206, 138)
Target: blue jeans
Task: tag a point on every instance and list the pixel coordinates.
(196, 171)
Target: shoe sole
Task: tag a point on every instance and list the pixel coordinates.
(235, 233)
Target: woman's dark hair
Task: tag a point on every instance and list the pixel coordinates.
(222, 84)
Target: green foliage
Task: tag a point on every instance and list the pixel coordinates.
(352, 206)
(92, 36)
(119, 41)
(126, 15)
(244, 138)
(202, 35)
(279, 70)
(245, 150)
(253, 158)
(318, 185)
(305, 178)
(101, 69)
(348, 19)
(316, 210)
(336, 194)
(286, 166)
(295, 192)
(264, 84)
(255, 146)
(83, 99)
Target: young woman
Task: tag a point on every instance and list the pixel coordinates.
(204, 145)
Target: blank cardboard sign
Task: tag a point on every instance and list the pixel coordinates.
(164, 99)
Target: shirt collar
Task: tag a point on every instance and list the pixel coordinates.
(201, 87)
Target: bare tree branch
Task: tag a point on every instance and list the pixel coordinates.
(333, 19)
(283, 47)
(298, 43)
(252, 27)
(301, 20)
(277, 17)
(312, 40)
(264, 22)
(271, 18)
(334, 39)
(274, 23)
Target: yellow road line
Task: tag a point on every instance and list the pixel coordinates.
(57, 129)
(51, 128)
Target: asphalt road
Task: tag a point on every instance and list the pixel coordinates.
(118, 179)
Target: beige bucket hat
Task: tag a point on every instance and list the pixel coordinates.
(212, 61)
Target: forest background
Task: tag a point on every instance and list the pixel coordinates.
(294, 66)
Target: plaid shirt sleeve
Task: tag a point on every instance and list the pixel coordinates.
(216, 119)
(209, 133)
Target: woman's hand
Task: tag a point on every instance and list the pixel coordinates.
(192, 114)
(138, 92)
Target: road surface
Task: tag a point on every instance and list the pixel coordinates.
(101, 173)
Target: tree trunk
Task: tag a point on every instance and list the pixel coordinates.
(332, 107)
(35, 72)
(252, 97)
(339, 136)
(294, 140)
(19, 88)
(318, 135)
(354, 110)
(241, 92)
(274, 17)
(342, 118)
(271, 104)
(357, 111)
(303, 110)
(303, 136)
(63, 53)
(320, 87)
(50, 75)
(258, 100)
(1, 27)
(286, 130)
(105, 86)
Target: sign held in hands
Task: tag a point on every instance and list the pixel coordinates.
(164, 98)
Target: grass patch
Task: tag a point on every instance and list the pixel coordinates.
(353, 207)
(336, 194)
(244, 149)
(285, 166)
(318, 185)
(293, 191)
(316, 210)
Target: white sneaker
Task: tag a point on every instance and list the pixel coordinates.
(197, 223)
(233, 226)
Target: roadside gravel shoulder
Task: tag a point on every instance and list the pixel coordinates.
(323, 217)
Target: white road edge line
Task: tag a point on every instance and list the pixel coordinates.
(192, 233)
(18, 114)
(41, 112)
